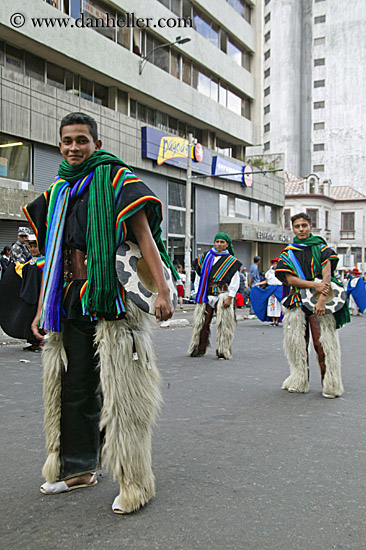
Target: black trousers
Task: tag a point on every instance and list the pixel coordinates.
(81, 401)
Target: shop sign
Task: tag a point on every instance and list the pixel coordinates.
(168, 149)
(266, 235)
(228, 170)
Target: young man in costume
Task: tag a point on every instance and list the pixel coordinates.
(219, 281)
(100, 376)
(307, 258)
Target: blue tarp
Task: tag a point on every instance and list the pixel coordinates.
(358, 293)
(259, 298)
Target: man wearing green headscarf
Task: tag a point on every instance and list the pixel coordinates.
(100, 375)
(219, 280)
(309, 258)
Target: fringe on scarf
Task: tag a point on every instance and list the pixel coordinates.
(225, 324)
(198, 322)
(131, 401)
(54, 361)
(295, 349)
(329, 340)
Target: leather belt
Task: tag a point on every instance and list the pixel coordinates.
(74, 264)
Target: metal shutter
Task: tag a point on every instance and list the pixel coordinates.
(46, 161)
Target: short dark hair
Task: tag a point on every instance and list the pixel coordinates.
(300, 215)
(256, 259)
(80, 118)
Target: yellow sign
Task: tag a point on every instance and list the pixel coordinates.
(172, 147)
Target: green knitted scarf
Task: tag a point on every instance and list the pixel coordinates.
(101, 291)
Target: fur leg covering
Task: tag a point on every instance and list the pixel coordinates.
(295, 349)
(198, 322)
(329, 340)
(225, 323)
(54, 361)
(131, 400)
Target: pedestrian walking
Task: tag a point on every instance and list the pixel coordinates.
(267, 301)
(4, 259)
(253, 278)
(356, 291)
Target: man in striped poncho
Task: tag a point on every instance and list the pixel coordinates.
(219, 280)
(100, 376)
(307, 258)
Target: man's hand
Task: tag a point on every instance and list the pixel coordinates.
(163, 306)
(319, 308)
(227, 301)
(321, 287)
(38, 332)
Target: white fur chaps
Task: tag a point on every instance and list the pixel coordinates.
(225, 325)
(295, 349)
(131, 400)
(198, 322)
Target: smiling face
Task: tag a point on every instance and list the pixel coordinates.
(221, 245)
(77, 144)
(301, 228)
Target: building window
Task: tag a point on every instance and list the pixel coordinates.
(313, 214)
(319, 104)
(318, 168)
(266, 2)
(267, 36)
(318, 147)
(15, 158)
(318, 62)
(319, 83)
(267, 109)
(267, 18)
(347, 221)
(267, 146)
(223, 201)
(287, 218)
(55, 76)
(206, 27)
(267, 91)
(319, 41)
(319, 1)
(242, 8)
(267, 54)
(319, 125)
(267, 127)
(326, 220)
(242, 209)
(34, 66)
(319, 19)
(267, 72)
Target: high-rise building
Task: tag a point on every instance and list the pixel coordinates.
(314, 94)
(131, 66)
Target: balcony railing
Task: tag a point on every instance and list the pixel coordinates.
(347, 234)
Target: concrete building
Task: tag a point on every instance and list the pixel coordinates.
(314, 87)
(122, 63)
(338, 214)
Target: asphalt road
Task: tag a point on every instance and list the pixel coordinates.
(239, 463)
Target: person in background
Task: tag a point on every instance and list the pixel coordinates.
(180, 285)
(4, 259)
(273, 304)
(356, 292)
(254, 278)
(19, 250)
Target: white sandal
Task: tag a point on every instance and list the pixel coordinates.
(61, 487)
(117, 508)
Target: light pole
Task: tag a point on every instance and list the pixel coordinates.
(178, 40)
(187, 240)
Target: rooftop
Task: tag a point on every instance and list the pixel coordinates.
(295, 186)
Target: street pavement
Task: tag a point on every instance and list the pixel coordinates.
(239, 463)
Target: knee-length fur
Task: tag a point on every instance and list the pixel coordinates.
(225, 325)
(329, 340)
(198, 322)
(131, 401)
(295, 349)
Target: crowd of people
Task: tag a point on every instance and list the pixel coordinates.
(101, 383)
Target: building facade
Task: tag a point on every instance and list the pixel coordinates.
(314, 89)
(338, 214)
(129, 66)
